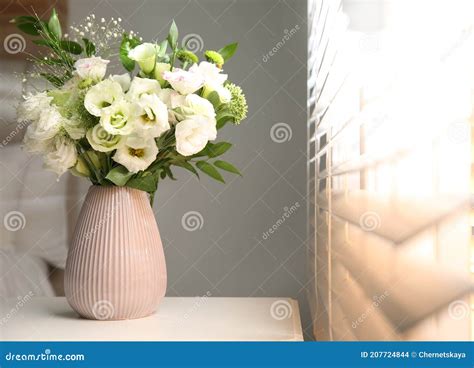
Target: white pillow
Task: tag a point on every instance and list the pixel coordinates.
(36, 222)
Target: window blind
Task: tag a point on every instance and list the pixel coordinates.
(390, 110)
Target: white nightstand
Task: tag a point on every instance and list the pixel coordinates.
(177, 319)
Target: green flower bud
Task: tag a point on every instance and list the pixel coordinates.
(214, 57)
(187, 56)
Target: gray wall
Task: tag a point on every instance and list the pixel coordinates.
(229, 255)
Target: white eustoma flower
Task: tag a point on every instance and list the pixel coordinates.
(136, 153)
(101, 140)
(40, 133)
(145, 56)
(224, 94)
(122, 79)
(140, 86)
(74, 128)
(151, 116)
(193, 134)
(91, 68)
(196, 105)
(61, 155)
(160, 68)
(30, 109)
(210, 73)
(102, 95)
(171, 98)
(185, 82)
(117, 118)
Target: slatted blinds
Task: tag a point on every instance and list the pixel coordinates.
(390, 101)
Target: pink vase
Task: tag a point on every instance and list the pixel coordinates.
(116, 267)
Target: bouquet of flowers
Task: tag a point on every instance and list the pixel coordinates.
(126, 129)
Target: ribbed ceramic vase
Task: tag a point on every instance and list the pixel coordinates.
(115, 267)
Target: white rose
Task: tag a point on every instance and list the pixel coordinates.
(91, 68)
(144, 55)
(185, 82)
(101, 95)
(140, 86)
(210, 73)
(193, 134)
(122, 79)
(101, 140)
(61, 156)
(151, 116)
(136, 153)
(117, 118)
(39, 134)
(195, 105)
(30, 109)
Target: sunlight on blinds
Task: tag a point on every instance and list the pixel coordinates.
(390, 97)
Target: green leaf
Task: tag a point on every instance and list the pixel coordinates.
(23, 19)
(127, 45)
(163, 47)
(221, 122)
(71, 47)
(119, 175)
(54, 26)
(186, 165)
(218, 149)
(168, 172)
(29, 28)
(89, 47)
(173, 35)
(42, 42)
(227, 166)
(146, 183)
(214, 99)
(224, 113)
(228, 51)
(210, 170)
